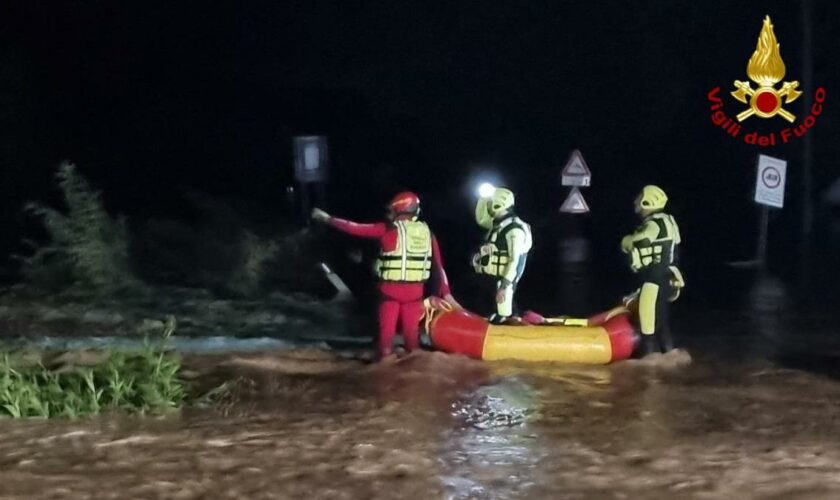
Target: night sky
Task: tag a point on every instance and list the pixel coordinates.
(153, 99)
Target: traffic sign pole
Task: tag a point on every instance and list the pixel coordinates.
(311, 162)
(574, 248)
(761, 250)
(769, 193)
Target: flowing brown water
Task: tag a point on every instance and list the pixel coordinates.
(310, 424)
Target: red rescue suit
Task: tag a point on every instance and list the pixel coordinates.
(401, 302)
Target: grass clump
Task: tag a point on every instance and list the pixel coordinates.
(144, 382)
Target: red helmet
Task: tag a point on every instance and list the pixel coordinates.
(405, 203)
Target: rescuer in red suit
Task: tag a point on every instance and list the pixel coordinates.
(408, 255)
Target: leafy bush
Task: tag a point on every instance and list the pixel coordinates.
(216, 251)
(142, 382)
(255, 252)
(288, 262)
(87, 248)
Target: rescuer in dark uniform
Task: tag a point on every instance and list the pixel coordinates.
(652, 249)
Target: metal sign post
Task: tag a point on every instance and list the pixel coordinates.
(761, 248)
(311, 158)
(769, 192)
(574, 248)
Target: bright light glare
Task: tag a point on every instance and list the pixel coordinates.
(486, 190)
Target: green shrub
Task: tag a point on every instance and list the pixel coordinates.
(86, 246)
(219, 252)
(247, 274)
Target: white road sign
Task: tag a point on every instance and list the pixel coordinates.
(770, 181)
(311, 157)
(574, 204)
(576, 172)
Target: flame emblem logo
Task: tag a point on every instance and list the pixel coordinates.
(766, 69)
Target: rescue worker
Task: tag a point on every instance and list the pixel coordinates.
(409, 254)
(504, 251)
(652, 250)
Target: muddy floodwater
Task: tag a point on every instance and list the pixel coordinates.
(747, 416)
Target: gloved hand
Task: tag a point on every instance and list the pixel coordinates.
(320, 216)
(677, 283)
(476, 262)
(628, 299)
(677, 280)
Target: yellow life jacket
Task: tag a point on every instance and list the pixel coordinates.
(494, 255)
(659, 250)
(411, 259)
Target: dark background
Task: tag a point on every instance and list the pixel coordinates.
(154, 99)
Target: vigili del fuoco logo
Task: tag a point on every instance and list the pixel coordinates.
(765, 101)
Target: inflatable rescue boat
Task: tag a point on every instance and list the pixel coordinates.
(601, 339)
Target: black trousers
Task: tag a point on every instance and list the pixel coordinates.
(655, 310)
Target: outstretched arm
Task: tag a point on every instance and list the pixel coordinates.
(376, 230)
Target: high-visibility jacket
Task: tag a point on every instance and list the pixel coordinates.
(508, 240)
(654, 242)
(411, 259)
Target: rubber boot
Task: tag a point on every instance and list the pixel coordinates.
(665, 341)
(495, 319)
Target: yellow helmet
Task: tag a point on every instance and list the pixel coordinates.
(652, 198)
(501, 200)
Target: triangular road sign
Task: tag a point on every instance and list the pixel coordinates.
(576, 172)
(574, 204)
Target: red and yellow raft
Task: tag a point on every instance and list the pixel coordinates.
(601, 339)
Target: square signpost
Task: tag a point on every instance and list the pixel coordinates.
(769, 193)
(311, 159)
